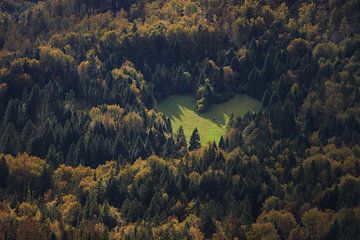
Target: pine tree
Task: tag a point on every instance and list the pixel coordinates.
(180, 141)
(52, 156)
(168, 147)
(8, 140)
(231, 122)
(45, 181)
(80, 150)
(207, 223)
(11, 112)
(194, 140)
(266, 98)
(139, 149)
(4, 172)
(222, 143)
(33, 101)
(150, 143)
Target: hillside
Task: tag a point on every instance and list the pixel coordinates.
(85, 152)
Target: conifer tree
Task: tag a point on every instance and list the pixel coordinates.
(222, 143)
(11, 110)
(8, 140)
(4, 172)
(180, 141)
(195, 140)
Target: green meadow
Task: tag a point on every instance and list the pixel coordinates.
(181, 109)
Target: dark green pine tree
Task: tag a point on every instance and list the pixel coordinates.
(194, 140)
(4, 172)
(80, 150)
(8, 140)
(45, 180)
(222, 143)
(207, 224)
(150, 143)
(33, 102)
(168, 147)
(118, 147)
(52, 156)
(27, 130)
(266, 98)
(91, 206)
(139, 149)
(70, 158)
(231, 122)
(52, 236)
(180, 141)
(11, 112)
(334, 231)
(105, 216)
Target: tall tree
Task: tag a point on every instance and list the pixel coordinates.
(4, 172)
(194, 140)
(180, 141)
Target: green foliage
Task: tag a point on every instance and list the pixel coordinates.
(194, 142)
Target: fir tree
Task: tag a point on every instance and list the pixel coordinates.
(194, 140)
(222, 143)
(4, 172)
(180, 141)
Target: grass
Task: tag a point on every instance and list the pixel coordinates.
(181, 109)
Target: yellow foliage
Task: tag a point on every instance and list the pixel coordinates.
(82, 68)
(263, 231)
(67, 176)
(350, 165)
(236, 180)
(29, 210)
(228, 74)
(54, 56)
(23, 163)
(325, 50)
(143, 173)
(283, 221)
(133, 121)
(115, 110)
(127, 72)
(94, 112)
(134, 88)
(87, 184)
(123, 232)
(195, 178)
(104, 171)
(20, 64)
(69, 209)
(316, 223)
(298, 46)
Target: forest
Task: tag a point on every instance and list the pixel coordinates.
(86, 154)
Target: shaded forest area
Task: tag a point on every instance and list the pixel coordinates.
(84, 154)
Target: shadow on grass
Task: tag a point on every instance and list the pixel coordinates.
(181, 110)
(177, 105)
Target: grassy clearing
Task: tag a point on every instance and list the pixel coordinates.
(181, 109)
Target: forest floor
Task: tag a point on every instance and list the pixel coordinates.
(181, 109)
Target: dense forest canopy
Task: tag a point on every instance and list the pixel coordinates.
(84, 154)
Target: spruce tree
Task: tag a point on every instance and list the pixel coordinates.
(195, 140)
(4, 172)
(180, 141)
(168, 147)
(222, 143)
(11, 112)
(8, 140)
